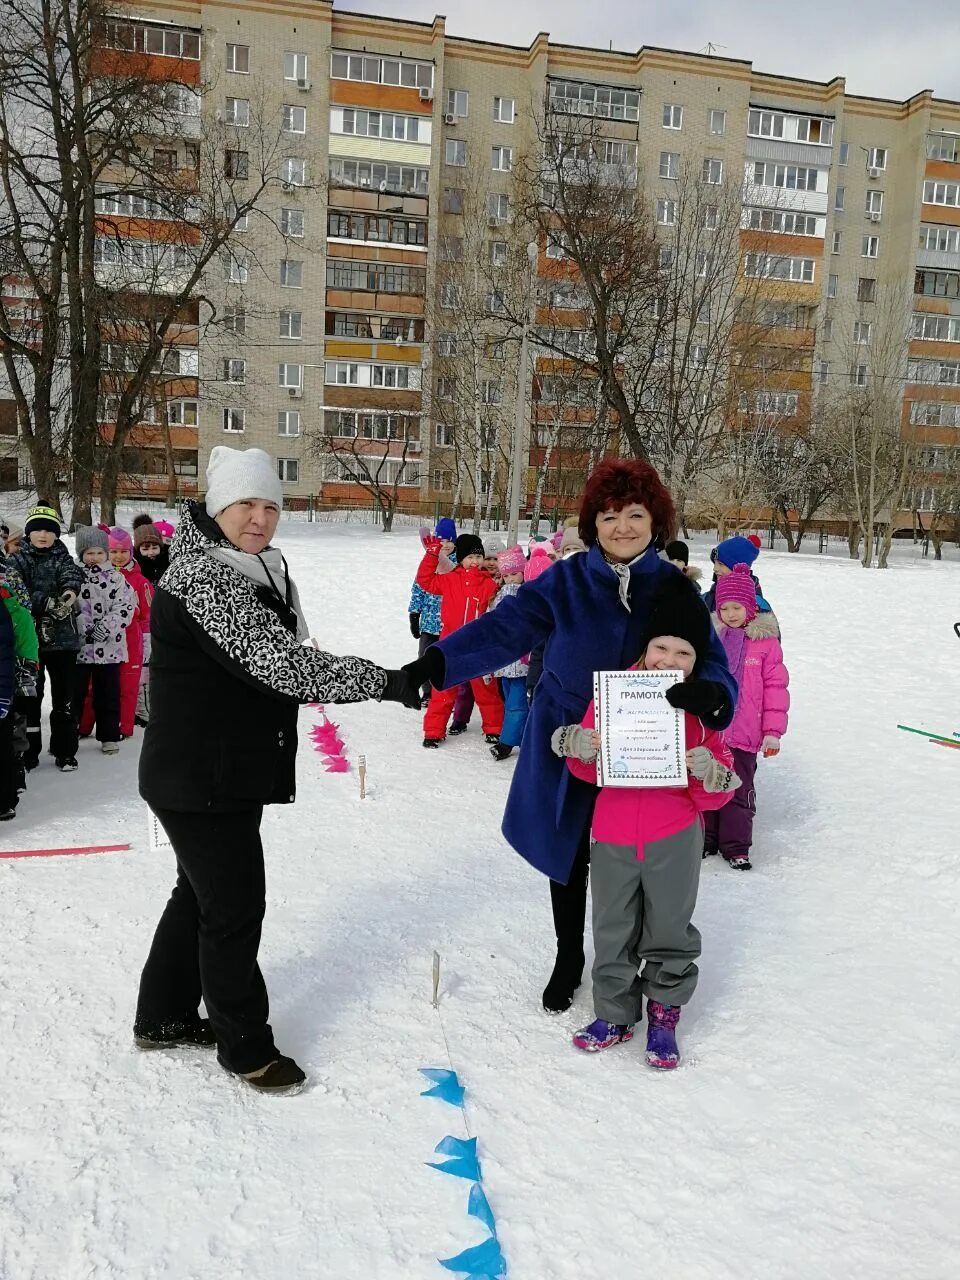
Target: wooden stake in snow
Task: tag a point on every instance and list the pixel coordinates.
(436, 981)
(362, 770)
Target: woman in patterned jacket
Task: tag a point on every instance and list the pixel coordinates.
(228, 672)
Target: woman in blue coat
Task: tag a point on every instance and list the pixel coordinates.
(590, 613)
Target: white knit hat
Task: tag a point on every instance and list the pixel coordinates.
(234, 474)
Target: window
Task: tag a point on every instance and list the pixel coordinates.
(813, 129)
(870, 247)
(499, 252)
(234, 419)
(494, 303)
(713, 171)
(866, 289)
(945, 193)
(442, 478)
(844, 155)
(446, 344)
(375, 277)
(233, 370)
(495, 349)
(666, 212)
(234, 320)
(341, 373)
(237, 270)
(594, 100)
(937, 284)
(791, 224)
(943, 146)
(238, 58)
(444, 435)
(288, 422)
(711, 217)
(455, 152)
(940, 239)
(294, 119)
(790, 177)
(877, 158)
(502, 159)
(181, 99)
(168, 42)
(666, 257)
(451, 248)
(837, 242)
(235, 164)
(291, 274)
(672, 116)
(393, 375)
(375, 173)
(861, 332)
(873, 204)
(288, 469)
(703, 268)
(490, 391)
(823, 372)
(290, 375)
(838, 198)
(374, 70)
(291, 222)
(361, 123)
(291, 324)
(827, 328)
(183, 413)
(498, 207)
(858, 375)
(773, 267)
(446, 388)
(718, 122)
(164, 161)
(238, 112)
(832, 282)
(453, 200)
(765, 124)
(934, 372)
(294, 66)
(241, 221)
(504, 110)
(928, 413)
(450, 296)
(782, 403)
(669, 164)
(458, 103)
(293, 171)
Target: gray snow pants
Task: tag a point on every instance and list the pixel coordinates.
(642, 914)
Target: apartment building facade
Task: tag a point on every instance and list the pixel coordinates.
(383, 128)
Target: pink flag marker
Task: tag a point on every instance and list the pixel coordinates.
(55, 853)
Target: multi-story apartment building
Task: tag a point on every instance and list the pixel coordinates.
(386, 128)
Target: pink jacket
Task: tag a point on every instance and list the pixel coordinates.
(140, 624)
(639, 815)
(763, 701)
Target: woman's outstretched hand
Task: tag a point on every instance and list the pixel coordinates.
(404, 685)
(702, 698)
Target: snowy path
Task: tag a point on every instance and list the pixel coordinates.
(813, 1131)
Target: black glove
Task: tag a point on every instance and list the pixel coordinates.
(400, 688)
(704, 699)
(415, 625)
(429, 669)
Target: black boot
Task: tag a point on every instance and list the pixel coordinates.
(569, 903)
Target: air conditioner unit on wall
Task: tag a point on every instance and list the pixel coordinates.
(449, 118)
(874, 217)
(413, 446)
(426, 94)
(296, 393)
(303, 86)
(873, 172)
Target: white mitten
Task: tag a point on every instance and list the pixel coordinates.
(574, 741)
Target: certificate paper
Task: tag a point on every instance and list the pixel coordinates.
(642, 738)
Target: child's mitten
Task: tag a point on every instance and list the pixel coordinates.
(575, 741)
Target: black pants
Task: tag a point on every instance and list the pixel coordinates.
(106, 696)
(569, 903)
(207, 940)
(59, 666)
(8, 764)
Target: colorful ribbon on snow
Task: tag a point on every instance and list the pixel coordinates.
(483, 1261)
(327, 741)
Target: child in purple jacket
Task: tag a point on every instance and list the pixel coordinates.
(107, 604)
(752, 643)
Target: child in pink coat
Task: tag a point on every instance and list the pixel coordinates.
(752, 643)
(645, 854)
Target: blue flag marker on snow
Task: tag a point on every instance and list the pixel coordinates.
(446, 1086)
(464, 1163)
(482, 1262)
(479, 1207)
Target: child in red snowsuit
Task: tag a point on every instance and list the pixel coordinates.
(465, 594)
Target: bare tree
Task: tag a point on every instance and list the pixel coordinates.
(367, 461)
(799, 476)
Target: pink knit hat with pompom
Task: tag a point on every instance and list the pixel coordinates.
(540, 561)
(737, 587)
(120, 538)
(511, 560)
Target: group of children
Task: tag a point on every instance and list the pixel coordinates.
(84, 625)
(644, 887)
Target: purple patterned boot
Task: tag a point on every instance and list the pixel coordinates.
(602, 1034)
(662, 1022)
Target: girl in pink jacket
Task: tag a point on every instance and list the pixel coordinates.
(645, 856)
(752, 643)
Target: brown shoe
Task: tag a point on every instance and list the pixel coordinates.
(282, 1075)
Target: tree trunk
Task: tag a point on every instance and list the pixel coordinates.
(44, 466)
(853, 539)
(793, 543)
(109, 479)
(885, 545)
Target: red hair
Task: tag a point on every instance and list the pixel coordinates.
(616, 484)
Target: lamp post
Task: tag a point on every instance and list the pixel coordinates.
(519, 467)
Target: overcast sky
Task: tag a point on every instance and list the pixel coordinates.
(887, 48)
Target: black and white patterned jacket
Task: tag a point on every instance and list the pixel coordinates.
(227, 675)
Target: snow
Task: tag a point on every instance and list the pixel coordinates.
(811, 1132)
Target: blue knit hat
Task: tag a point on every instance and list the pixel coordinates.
(738, 550)
(446, 529)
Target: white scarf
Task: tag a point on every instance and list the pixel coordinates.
(268, 569)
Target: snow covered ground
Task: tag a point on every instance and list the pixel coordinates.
(812, 1132)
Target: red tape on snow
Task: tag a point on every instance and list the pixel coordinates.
(55, 853)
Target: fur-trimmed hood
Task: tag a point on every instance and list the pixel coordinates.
(693, 573)
(763, 627)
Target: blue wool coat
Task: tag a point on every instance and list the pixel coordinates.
(575, 608)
